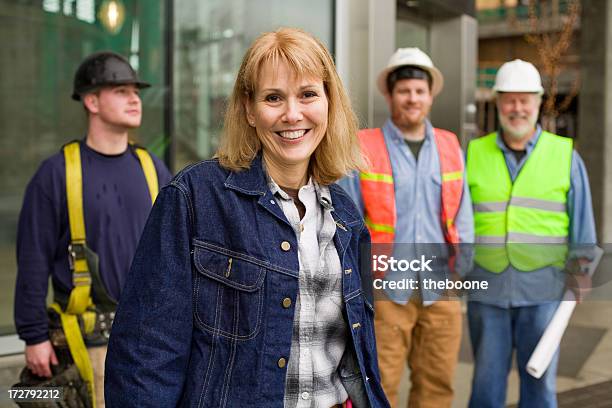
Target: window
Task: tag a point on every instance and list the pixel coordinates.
(210, 40)
(44, 42)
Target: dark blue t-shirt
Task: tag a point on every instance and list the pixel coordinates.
(116, 204)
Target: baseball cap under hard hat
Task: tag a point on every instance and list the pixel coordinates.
(411, 57)
(518, 76)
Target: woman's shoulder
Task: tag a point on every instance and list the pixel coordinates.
(203, 171)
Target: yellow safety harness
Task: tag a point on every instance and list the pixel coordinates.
(80, 303)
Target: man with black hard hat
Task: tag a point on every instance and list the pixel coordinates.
(80, 222)
(104, 68)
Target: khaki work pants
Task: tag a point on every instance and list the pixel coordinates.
(428, 338)
(97, 355)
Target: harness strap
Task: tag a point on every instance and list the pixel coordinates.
(77, 348)
(80, 304)
(149, 171)
(81, 278)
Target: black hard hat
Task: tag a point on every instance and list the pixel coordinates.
(104, 68)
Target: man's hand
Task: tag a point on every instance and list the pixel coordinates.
(38, 356)
(577, 279)
(579, 284)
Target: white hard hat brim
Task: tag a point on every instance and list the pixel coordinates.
(437, 79)
(497, 90)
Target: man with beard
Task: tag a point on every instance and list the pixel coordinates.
(531, 197)
(82, 215)
(412, 196)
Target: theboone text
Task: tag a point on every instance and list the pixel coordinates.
(430, 284)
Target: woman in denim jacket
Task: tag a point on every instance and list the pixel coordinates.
(246, 289)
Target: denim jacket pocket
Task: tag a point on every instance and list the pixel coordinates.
(227, 294)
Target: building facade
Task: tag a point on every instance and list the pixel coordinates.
(504, 28)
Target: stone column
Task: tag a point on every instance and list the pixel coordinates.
(365, 39)
(454, 49)
(594, 140)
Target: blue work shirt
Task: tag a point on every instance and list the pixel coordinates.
(513, 287)
(418, 189)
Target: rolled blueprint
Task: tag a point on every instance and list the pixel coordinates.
(549, 342)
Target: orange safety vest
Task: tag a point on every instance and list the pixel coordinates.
(378, 191)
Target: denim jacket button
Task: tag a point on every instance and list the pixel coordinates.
(282, 362)
(286, 303)
(285, 246)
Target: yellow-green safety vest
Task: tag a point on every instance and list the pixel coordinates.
(524, 223)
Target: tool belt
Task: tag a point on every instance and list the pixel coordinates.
(71, 334)
(65, 374)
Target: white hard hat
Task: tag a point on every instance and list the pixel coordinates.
(518, 76)
(413, 57)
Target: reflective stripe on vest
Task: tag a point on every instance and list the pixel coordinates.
(528, 217)
(378, 191)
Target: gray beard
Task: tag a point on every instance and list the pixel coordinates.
(508, 131)
(513, 135)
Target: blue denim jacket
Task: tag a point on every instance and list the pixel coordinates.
(203, 319)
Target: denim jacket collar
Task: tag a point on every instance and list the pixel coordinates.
(251, 181)
(322, 192)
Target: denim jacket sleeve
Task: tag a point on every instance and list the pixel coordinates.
(149, 348)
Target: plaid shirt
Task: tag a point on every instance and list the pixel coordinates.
(320, 332)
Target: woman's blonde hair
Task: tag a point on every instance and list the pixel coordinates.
(339, 152)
